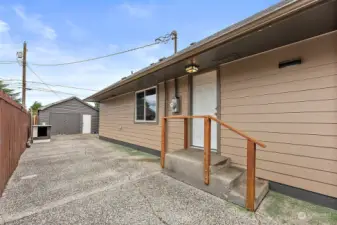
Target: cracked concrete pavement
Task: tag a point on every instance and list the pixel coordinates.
(79, 179)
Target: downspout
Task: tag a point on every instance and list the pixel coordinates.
(174, 35)
(165, 100)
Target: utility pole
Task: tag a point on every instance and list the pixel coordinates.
(24, 54)
(175, 39)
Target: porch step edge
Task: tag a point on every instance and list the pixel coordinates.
(228, 176)
(238, 194)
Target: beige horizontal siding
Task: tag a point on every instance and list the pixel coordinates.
(311, 144)
(293, 110)
(301, 161)
(284, 117)
(289, 128)
(284, 97)
(324, 105)
(117, 119)
(175, 128)
(302, 183)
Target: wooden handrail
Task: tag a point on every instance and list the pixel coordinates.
(238, 132)
(185, 117)
(251, 151)
(242, 134)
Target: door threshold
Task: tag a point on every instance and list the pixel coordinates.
(202, 148)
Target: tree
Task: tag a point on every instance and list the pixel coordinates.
(36, 105)
(97, 105)
(11, 92)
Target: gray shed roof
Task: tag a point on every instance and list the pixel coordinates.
(65, 100)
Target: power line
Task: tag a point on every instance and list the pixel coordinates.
(91, 59)
(7, 62)
(31, 70)
(163, 39)
(46, 90)
(55, 85)
(19, 85)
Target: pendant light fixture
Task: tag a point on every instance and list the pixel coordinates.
(192, 67)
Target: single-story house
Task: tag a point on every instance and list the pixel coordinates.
(70, 116)
(272, 76)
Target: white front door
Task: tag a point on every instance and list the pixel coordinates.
(86, 127)
(204, 102)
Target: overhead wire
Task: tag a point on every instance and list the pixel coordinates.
(55, 85)
(46, 90)
(7, 62)
(91, 59)
(31, 70)
(19, 85)
(163, 39)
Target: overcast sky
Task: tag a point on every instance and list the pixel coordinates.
(61, 31)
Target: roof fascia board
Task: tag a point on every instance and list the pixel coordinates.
(251, 25)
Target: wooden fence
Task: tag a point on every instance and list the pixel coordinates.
(14, 134)
(35, 120)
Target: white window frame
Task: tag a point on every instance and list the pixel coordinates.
(135, 106)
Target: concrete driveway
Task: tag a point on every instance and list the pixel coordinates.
(79, 179)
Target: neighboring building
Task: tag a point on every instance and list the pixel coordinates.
(69, 116)
(273, 76)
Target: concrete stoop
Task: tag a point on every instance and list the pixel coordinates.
(226, 182)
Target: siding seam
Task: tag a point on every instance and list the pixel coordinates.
(284, 92)
(275, 74)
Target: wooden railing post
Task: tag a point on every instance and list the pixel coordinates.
(251, 161)
(251, 151)
(207, 148)
(163, 142)
(185, 133)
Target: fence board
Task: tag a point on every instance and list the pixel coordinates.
(14, 134)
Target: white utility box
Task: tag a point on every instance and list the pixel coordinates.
(41, 133)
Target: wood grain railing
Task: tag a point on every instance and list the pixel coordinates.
(251, 150)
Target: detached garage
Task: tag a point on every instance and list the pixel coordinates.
(70, 116)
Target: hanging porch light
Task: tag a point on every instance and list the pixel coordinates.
(192, 67)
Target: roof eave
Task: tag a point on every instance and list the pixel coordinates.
(253, 23)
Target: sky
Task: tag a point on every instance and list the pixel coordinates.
(58, 31)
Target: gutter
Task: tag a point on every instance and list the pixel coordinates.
(250, 24)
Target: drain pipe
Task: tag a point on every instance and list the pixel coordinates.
(174, 35)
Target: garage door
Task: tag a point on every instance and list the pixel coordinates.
(65, 123)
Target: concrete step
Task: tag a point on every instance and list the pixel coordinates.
(228, 176)
(222, 182)
(226, 182)
(238, 194)
(190, 162)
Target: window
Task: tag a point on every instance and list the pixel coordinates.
(146, 105)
